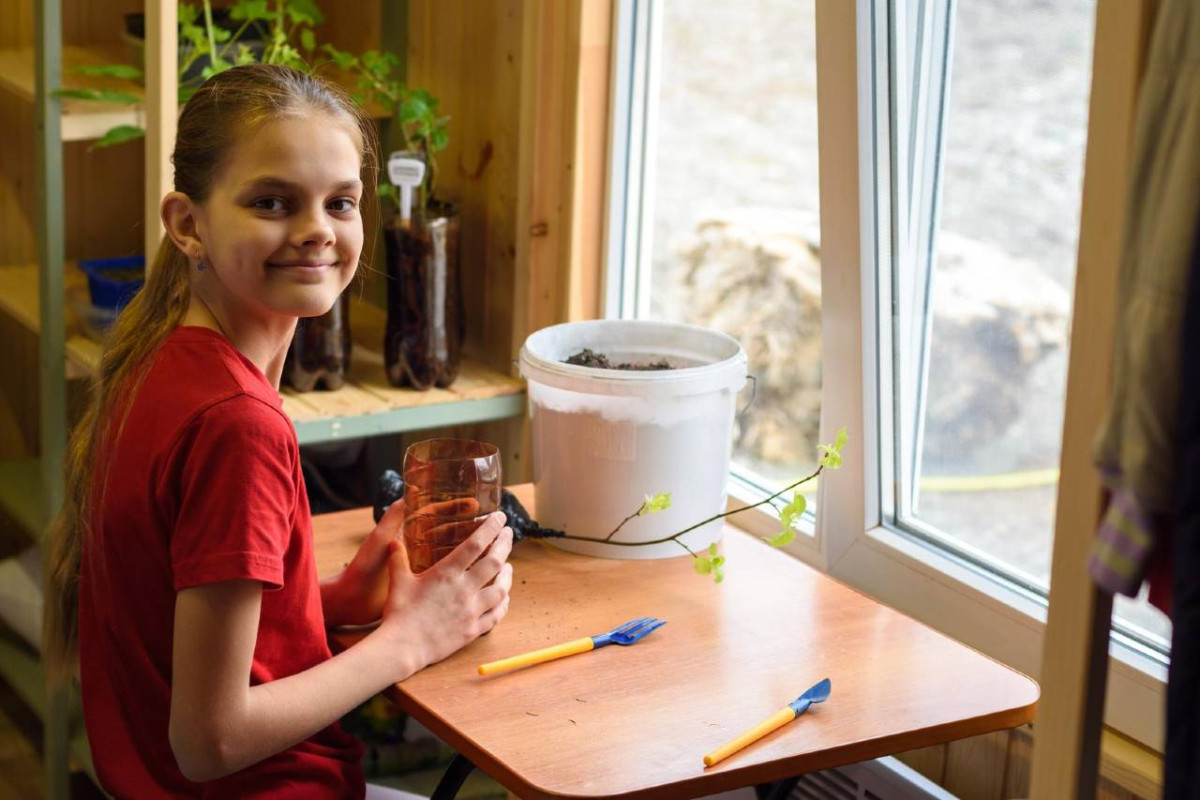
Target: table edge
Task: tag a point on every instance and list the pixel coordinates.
(727, 778)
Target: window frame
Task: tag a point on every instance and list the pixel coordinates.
(848, 539)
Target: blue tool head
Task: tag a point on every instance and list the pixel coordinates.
(817, 694)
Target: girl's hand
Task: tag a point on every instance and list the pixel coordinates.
(356, 595)
(453, 602)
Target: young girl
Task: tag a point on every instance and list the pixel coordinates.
(182, 562)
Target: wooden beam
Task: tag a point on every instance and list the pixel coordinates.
(585, 290)
(1075, 658)
(545, 192)
(162, 112)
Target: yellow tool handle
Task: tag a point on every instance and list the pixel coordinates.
(537, 656)
(776, 720)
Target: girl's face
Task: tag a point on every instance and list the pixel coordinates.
(282, 230)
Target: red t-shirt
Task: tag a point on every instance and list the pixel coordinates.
(203, 485)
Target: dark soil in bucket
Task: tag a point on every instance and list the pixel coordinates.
(590, 358)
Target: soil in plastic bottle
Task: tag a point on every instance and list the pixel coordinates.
(425, 323)
(320, 351)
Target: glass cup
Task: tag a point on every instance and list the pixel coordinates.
(450, 488)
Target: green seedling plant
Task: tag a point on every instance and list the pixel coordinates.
(415, 122)
(289, 41)
(710, 562)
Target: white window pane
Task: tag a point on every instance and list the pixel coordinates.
(1003, 271)
(732, 222)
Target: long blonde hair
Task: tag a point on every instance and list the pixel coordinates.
(222, 109)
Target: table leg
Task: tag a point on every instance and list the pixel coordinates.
(452, 781)
(779, 790)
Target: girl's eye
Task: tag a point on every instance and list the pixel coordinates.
(269, 204)
(342, 204)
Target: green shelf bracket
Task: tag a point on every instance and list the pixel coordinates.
(413, 418)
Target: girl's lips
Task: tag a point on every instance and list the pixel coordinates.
(303, 271)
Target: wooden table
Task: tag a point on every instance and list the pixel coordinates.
(634, 722)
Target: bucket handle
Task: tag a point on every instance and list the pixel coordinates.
(753, 394)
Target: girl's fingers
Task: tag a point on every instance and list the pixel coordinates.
(493, 616)
(465, 554)
(492, 596)
(397, 560)
(392, 522)
(490, 565)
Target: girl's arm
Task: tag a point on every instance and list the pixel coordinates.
(220, 724)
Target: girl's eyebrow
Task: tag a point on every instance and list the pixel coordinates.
(271, 182)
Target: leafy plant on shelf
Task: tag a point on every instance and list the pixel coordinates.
(415, 122)
(711, 562)
(285, 28)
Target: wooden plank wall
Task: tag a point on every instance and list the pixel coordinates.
(468, 55)
(998, 766)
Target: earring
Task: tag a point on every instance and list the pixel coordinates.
(200, 264)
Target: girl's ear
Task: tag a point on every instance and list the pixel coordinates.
(178, 214)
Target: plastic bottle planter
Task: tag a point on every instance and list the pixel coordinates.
(320, 351)
(422, 345)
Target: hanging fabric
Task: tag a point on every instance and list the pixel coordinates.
(1137, 450)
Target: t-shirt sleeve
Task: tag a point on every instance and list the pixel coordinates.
(237, 491)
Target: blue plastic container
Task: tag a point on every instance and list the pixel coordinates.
(107, 288)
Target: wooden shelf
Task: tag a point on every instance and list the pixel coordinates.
(19, 299)
(84, 120)
(21, 669)
(21, 494)
(366, 406)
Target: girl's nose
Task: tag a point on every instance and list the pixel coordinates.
(314, 230)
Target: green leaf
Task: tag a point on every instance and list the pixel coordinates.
(830, 458)
(793, 511)
(718, 574)
(655, 504)
(438, 139)
(304, 12)
(217, 65)
(244, 55)
(126, 71)
(307, 40)
(712, 549)
(413, 109)
(702, 565)
(100, 95)
(341, 58)
(840, 439)
(782, 538)
(189, 13)
(249, 10)
(119, 134)
(717, 561)
(221, 35)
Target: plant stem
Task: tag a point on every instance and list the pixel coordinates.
(622, 525)
(675, 536)
(233, 39)
(685, 547)
(212, 38)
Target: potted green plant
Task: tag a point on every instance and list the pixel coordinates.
(248, 31)
(422, 231)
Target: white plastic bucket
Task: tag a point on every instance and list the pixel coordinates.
(604, 439)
